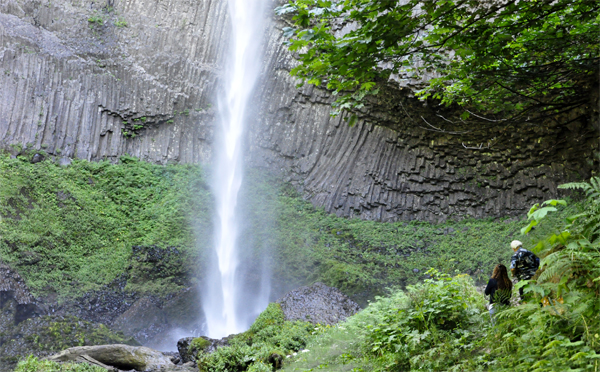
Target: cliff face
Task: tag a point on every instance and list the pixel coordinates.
(97, 80)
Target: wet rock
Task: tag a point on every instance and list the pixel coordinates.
(64, 162)
(37, 158)
(159, 323)
(101, 306)
(142, 320)
(183, 346)
(317, 303)
(11, 281)
(15, 299)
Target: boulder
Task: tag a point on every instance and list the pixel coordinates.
(121, 357)
(183, 346)
(317, 303)
(37, 158)
(190, 347)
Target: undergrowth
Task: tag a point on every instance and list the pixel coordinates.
(78, 228)
(33, 364)
(263, 347)
(364, 258)
(441, 324)
(72, 229)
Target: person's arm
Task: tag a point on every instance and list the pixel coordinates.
(513, 264)
(490, 286)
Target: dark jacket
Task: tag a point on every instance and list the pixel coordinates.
(499, 296)
(525, 264)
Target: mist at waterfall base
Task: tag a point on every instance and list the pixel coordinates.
(230, 301)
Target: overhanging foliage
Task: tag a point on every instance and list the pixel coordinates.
(499, 60)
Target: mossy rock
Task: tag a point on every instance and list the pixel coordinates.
(191, 348)
(198, 344)
(276, 358)
(272, 315)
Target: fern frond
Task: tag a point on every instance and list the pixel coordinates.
(575, 185)
(555, 271)
(595, 182)
(566, 262)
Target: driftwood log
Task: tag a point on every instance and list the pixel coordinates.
(117, 357)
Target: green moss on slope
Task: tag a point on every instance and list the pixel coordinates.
(72, 229)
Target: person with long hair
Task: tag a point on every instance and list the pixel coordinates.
(499, 288)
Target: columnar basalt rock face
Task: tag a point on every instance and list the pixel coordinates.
(402, 161)
(98, 80)
(389, 170)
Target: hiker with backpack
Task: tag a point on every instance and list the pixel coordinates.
(523, 263)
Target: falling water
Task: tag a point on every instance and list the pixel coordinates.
(220, 302)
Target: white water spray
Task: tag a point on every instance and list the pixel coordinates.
(219, 303)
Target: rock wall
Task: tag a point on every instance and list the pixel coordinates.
(98, 80)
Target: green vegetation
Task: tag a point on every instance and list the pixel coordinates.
(441, 325)
(508, 59)
(96, 20)
(264, 345)
(33, 364)
(121, 22)
(78, 228)
(56, 334)
(72, 229)
(363, 258)
(431, 326)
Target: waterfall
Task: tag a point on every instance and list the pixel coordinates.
(221, 298)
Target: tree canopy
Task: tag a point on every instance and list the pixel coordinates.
(507, 60)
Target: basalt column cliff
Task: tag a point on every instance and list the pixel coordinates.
(95, 80)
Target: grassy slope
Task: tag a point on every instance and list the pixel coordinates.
(71, 229)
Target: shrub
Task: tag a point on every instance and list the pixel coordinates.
(237, 357)
(266, 343)
(260, 367)
(434, 326)
(271, 316)
(557, 330)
